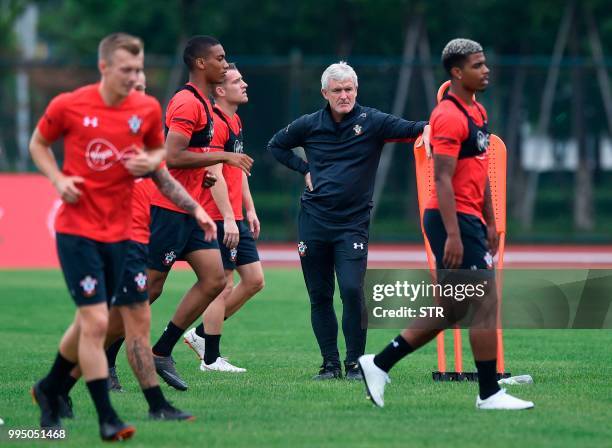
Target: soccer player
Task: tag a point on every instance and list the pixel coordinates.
(130, 311)
(460, 226)
(343, 143)
(111, 135)
(175, 234)
(236, 235)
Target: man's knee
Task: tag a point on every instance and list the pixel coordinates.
(351, 295)
(155, 287)
(94, 326)
(254, 284)
(214, 284)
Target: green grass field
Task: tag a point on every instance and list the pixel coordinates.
(276, 404)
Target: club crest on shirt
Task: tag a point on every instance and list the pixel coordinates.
(302, 249)
(358, 129)
(134, 123)
(233, 254)
(169, 258)
(141, 282)
(88, 284)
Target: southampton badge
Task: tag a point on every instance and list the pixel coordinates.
(89, 286)
(134, 123)
(357, 129)
(233, 254)
(302, 249)
(169, 258)
(141, 282)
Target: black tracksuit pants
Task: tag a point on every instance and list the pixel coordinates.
(328, 247)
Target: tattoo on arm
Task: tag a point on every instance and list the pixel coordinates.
(173, 190)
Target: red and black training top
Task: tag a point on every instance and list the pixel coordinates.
(460, 130)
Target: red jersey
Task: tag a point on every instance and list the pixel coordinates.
(187, 115)
(450, 131)
(97, 137)
(141, 210)
(227, 137)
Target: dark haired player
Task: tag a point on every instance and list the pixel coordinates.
(237, 231)
(460, 226)
(174, 233)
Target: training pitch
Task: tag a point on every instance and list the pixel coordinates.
(277, 404)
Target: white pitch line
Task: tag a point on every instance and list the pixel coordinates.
(577, 257)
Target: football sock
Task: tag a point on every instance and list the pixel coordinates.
(200, 330)
(68, 385)
(487, 378)
(392, 353)
(155, 398)
(56, 377)
(212, 347)
(112, 351)
(167, 340)
(98, 389)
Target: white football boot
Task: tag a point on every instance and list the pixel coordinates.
(504, 401)
(221, 365)
(375, 379)
(195, 343)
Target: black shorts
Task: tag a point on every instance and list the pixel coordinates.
(133, 286)
(245, 253)
(476, 253)
(173, 236)
(92, 269)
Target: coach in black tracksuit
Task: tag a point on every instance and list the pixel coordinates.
(343, 144)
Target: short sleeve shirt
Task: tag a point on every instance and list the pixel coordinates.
(232, 175)
(97, 140)
(185, 114)
(449, 128)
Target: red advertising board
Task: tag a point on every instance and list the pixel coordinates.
(28, 204)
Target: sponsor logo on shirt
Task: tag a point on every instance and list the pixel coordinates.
(101, 154)
(238, 147)
(88, 284)
(482, 141)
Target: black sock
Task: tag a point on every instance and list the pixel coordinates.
(212, 347)
(200, 330)
(155, 398)
(68, 385)
(58, 374)
(112, 351)
(487, 378)
(168, 340)
(98, 389)
(392, 353)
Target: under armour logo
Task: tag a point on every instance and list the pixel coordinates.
(90, 121)
(358, 246)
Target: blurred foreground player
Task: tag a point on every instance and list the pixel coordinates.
(236, 232)
(130, 311)
(460, 225)
(111, 135)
